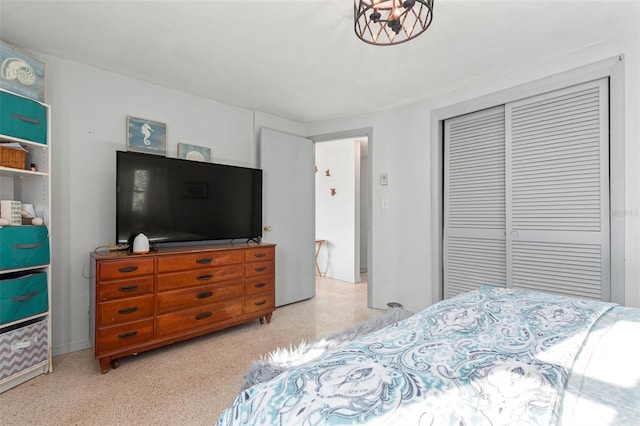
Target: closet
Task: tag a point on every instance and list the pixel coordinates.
(526, 195)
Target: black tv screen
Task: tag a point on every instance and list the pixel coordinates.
(174, 200)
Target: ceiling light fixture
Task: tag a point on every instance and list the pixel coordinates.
(387, 22)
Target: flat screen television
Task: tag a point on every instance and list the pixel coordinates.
(172, 200)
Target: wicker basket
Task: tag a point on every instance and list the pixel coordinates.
(14, 158)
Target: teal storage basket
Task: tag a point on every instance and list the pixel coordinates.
(22, 118)
(23, 246)
(22, 294)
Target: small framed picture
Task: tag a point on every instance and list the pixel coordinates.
(146, 136)
(20, 73)
(194, 152)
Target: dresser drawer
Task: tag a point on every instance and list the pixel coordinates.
(257, 285)
(124, 268)
(259, 268)
(125, 288)
(191, 319)
(177, 280)
(259, 302)
(259, 254)
(124, 335)
(199, 260)
(197, 296)
(130, 309)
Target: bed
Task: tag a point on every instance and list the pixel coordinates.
(492, 356)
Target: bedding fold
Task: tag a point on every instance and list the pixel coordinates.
(491, 356)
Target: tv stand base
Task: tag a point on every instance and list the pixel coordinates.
(143, 302)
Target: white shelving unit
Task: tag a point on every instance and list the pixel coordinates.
(32, 187)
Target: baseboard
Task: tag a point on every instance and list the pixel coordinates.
(69, 347)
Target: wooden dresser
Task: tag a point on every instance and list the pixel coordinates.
(142, 302)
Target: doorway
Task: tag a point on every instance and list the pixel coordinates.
(343, 207)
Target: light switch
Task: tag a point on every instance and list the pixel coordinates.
(384, 179)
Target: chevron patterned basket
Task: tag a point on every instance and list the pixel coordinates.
(23, 347)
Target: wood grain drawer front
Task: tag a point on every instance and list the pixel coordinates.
(259, 268)
(123, 310)
(259, 302)
(256, 285)
(190, 319)
(198, 296)
(124, 268)
(124, 288)
(259, 254)
(176, 280)
(199, 260)
(124, 335)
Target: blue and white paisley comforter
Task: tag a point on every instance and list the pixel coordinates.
(491, 356)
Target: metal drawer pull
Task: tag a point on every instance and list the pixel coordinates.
(203, 315)
(128, 269)
(204, 261)
(27, 246)
(204, 295)
(127, 335)
(128, 310)
(128, 288)
(260, 254)
(24, 297)
(260, 268)
(260, 285)
(26, 118)
(204, 277)
(262, 302)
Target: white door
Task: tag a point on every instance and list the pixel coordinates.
(557, 149)
(474, 207)
(527, 195)
(288, 214)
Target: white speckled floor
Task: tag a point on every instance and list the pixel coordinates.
(187, 383)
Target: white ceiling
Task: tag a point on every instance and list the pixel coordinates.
(300, 59)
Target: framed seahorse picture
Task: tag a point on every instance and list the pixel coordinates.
(146, 136)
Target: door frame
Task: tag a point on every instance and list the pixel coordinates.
(352, 134)
(612, 68)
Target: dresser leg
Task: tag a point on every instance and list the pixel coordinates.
(268, 316)
(104, 365)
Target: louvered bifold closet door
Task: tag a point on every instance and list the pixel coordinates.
(474, 201)
(557, 156)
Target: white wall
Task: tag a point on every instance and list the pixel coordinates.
(338, 216)
(89, 110)
(402, 138)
